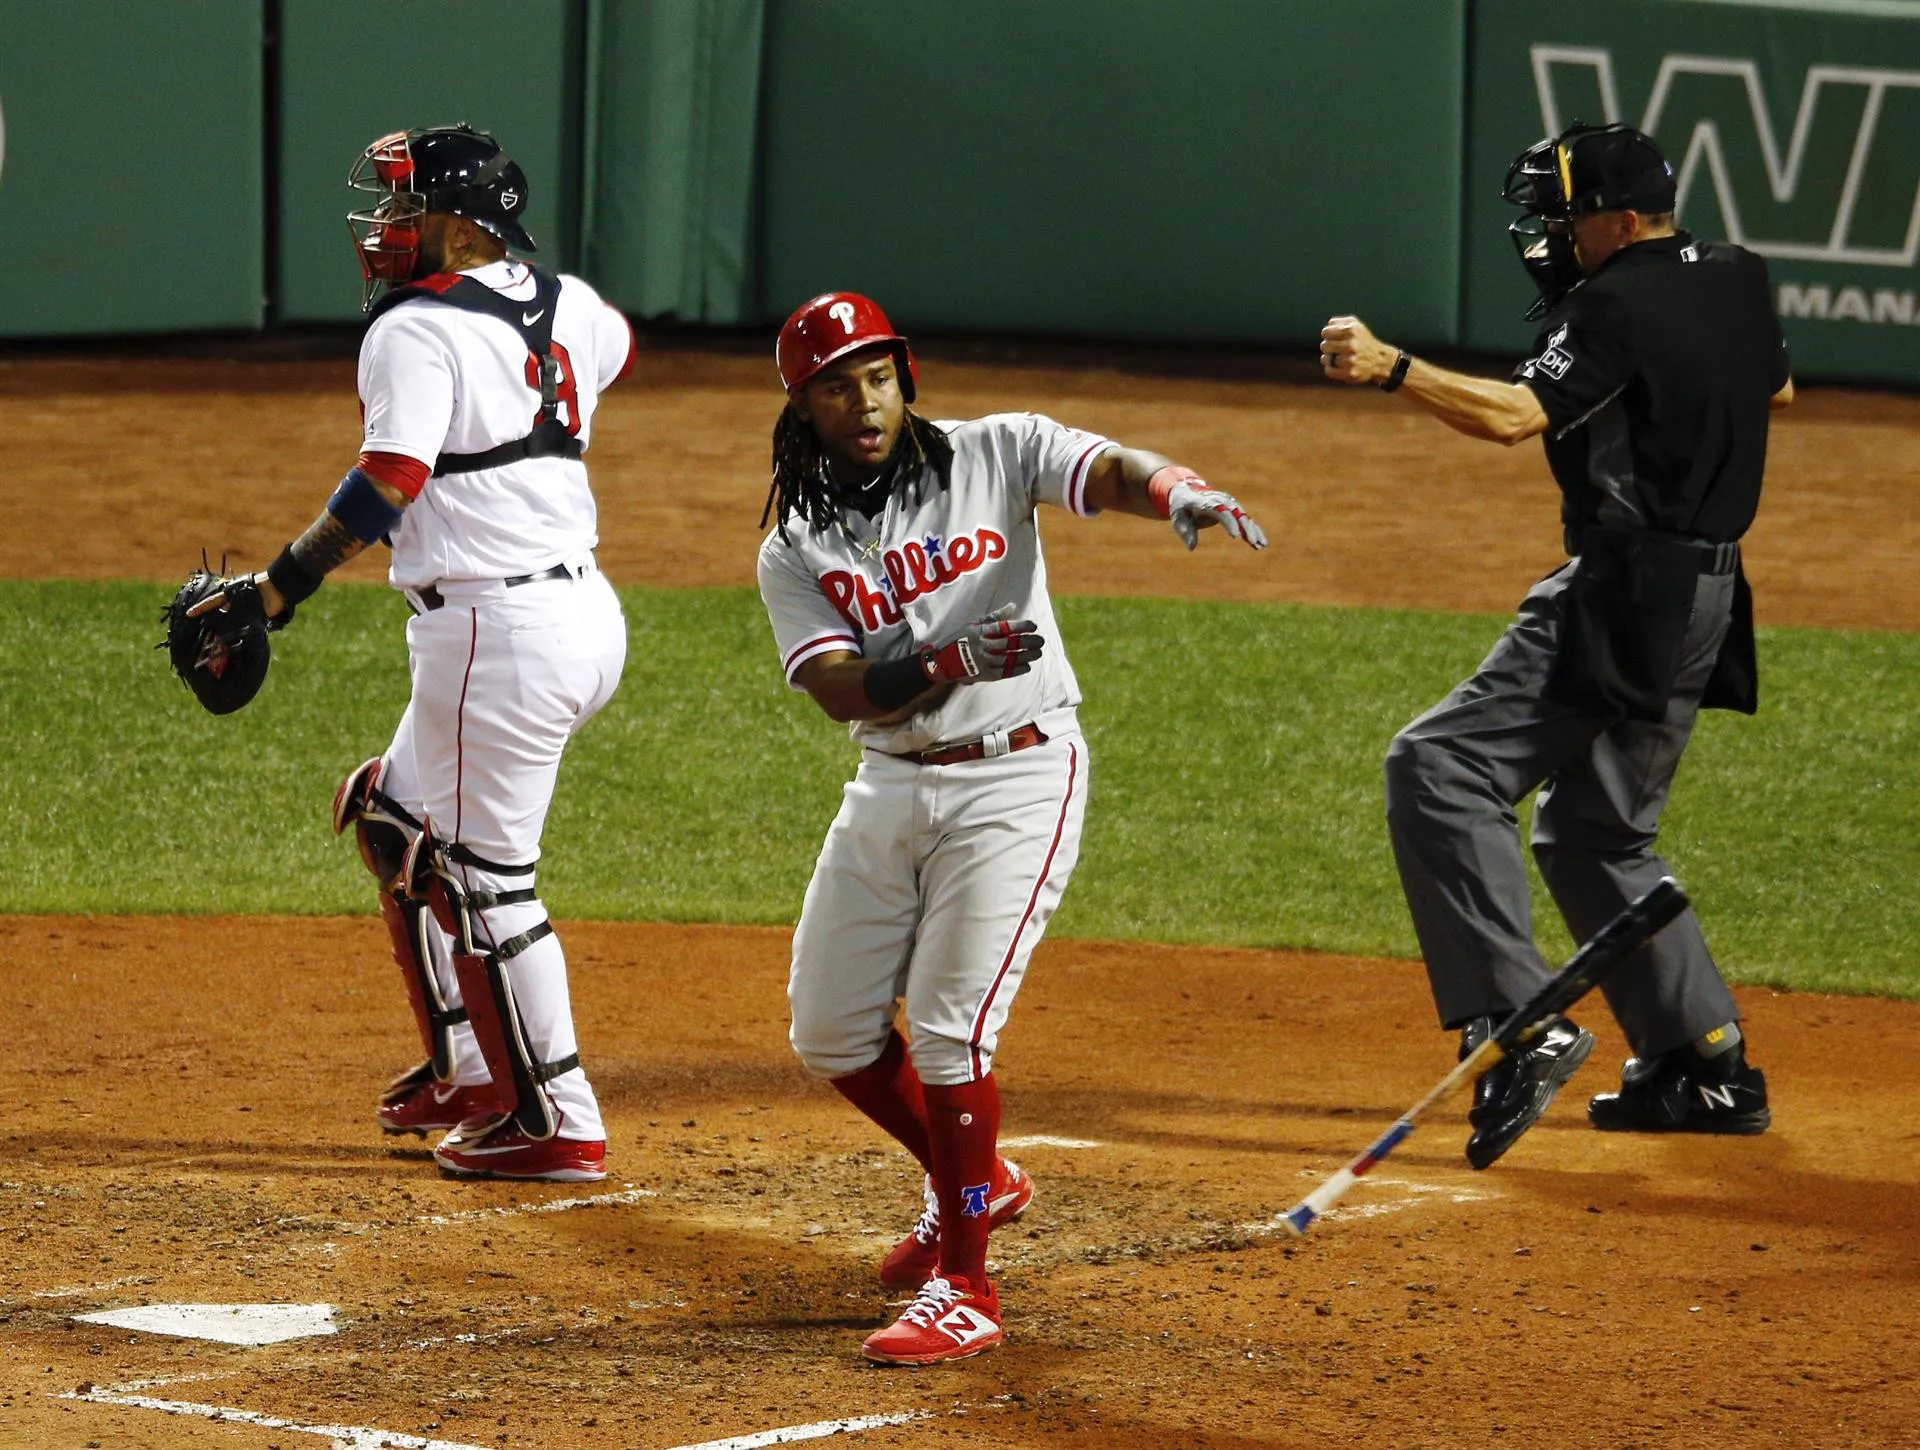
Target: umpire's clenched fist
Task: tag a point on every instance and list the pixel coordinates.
(1350, 353)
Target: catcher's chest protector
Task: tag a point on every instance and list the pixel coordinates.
(534, 322)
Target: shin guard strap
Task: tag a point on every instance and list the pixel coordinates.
(386, 805)
(482, 900)
(507, 950)
(461, 856)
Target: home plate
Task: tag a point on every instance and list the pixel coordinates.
(224, 1323)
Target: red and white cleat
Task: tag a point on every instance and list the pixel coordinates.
(916, 1258)
(494, 1147)
(948, 1319)
(418, 1102)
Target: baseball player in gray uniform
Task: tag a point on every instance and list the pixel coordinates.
(908, 595)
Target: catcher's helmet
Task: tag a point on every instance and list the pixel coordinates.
(446, 169)
(1584, 169)
(828, 328)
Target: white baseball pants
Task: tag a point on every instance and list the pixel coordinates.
(502, 678)
(935, 884)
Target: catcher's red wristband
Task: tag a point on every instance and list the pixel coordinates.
(1161, 484)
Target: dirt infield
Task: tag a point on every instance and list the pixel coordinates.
(128, 472)
(1622, 1291)
(192, 1103)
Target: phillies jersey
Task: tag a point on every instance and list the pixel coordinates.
(918, 573)
(436, 378)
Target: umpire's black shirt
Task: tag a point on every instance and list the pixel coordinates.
(1656, 375)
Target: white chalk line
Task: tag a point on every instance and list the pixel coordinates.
(556, 1205)
(1043, 1140)
(1378, 1208)
(819, 1430)
(491, 1337)
(343, 1437)
(134, 1387)
(471, 1215)
(361, 1437)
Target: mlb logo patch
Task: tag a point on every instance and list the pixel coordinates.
(973, 1201)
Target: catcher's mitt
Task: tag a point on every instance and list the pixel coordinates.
(217, 638)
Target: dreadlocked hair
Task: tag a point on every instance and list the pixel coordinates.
(801, 484)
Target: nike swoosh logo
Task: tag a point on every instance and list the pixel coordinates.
(483, 1150)
(965, 1325)
(527, 319)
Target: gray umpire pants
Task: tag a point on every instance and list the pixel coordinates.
(1454, 777)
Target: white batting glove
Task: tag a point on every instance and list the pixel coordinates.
(1190, 506)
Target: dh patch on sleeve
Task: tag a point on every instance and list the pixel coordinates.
(1555, 361)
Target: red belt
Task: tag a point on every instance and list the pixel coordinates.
(1018, 738)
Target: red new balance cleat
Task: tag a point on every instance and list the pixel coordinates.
(916, 1258)
(948, 1319)
(494, 1147)
(418, 1102)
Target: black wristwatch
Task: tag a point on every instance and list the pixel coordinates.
(1399, 373)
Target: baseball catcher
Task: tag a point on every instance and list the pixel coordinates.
(479, 378)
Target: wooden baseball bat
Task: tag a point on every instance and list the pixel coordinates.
(1613, 944)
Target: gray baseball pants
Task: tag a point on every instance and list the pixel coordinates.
(1453, 779)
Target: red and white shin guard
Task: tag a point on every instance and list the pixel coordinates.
(512, 976)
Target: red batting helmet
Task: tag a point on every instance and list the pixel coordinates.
(831, 326)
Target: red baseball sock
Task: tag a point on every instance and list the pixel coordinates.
(963, 1125)
(888, 1091)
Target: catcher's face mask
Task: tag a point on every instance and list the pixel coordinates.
(386, 235)
(1583, 170)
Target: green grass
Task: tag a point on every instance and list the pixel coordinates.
(1235, 790)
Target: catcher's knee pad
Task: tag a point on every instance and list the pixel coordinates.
(383, 828)
(481, 956)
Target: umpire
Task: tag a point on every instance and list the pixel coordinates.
(1651, 380)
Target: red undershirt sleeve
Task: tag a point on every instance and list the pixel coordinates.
(396, 470)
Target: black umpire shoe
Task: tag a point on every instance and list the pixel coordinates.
(1681, 1092)
(1512, 1094)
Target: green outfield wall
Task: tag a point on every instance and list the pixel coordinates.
(132, 192)
(1215, 170)
(674, 96)
(352, 70)
(1202, 171)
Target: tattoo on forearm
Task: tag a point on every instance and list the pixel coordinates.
(325, 546)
